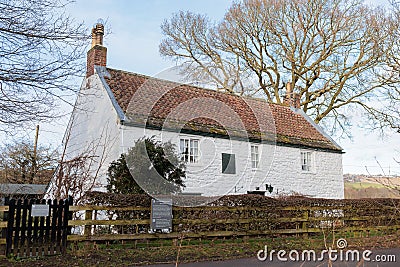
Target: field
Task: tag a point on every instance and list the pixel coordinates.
(373, 187)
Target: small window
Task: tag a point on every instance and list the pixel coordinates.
(189, 150)
(228, 163)
(254, 157)
(306, 161)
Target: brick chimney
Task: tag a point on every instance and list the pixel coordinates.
(291, 98)
(97, 55)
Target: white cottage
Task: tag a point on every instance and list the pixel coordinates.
(232, 144)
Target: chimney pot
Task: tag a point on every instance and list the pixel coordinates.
(296, 100)
(291, 99)
(288, 95)
(97, 34)
(288, 89)
(97, 55)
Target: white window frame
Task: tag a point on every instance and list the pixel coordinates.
(189, 149)
(255, 156)
(306, 160)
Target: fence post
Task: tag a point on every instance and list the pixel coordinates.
(70, 203)
(88, 216)
(4, 215)
(65, 223)
(10, 224)
(304, 224)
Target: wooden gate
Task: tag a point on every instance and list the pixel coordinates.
(37, 227)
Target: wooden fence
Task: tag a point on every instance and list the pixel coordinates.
(230, 222)
(106, 223)
(36, 232)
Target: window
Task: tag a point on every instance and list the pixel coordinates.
(189, 150)
(306, 161)
(254, 157)
(228, 163)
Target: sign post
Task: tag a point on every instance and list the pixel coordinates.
(161, 215)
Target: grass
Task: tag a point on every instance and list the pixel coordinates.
(363, 185)
(134, 253)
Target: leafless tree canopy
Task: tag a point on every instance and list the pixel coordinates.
(337, 54)
(21, 164)
(41, 50)
(393, 95)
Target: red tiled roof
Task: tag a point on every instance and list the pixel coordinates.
(162, 103)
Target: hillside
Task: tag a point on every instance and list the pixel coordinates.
(371, 186)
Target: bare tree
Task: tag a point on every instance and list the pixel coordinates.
(333, 53)
(388, 114)
(390, 183)
(20, 164)
(78, 174)
(41, 51)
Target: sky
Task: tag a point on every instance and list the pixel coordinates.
(133, 46)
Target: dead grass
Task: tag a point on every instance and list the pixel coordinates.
(372, 188)
(129, 254)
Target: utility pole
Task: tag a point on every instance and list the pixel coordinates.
(34, 163)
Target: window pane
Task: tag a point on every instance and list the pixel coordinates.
(228, 163)
(181, 146)
(254, 157)
(195, 154)
(184, 148)
(306, 161)
(254, 164)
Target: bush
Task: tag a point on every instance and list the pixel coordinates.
(148, 167)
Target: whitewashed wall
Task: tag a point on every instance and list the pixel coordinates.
(280, 166)
(94, 123)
